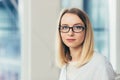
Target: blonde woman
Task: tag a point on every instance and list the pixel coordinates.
(76, 56)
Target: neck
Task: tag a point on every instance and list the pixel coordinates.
(75, 53)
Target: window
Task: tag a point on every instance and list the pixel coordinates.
(10, 53)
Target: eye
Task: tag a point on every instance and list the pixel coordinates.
(79, 27)
(64, 27)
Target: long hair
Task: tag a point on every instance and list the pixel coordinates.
(63, 53)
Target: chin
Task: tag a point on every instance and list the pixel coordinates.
(73, 46)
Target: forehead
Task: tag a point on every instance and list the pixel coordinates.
(69, 18)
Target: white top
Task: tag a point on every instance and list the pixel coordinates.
(98, 68)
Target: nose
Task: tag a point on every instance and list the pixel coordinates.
(70, 33)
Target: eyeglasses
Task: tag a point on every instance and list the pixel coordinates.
(76, 29)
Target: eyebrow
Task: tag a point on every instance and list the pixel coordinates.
(78, 24)
(73, 24)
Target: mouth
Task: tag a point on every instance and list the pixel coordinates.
(70, 40)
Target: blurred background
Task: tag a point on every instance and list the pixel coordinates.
(10, 40)
(28, 29)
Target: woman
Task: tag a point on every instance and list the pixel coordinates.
(76, 56)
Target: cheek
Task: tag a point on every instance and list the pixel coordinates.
(63, 36)
(80, 37)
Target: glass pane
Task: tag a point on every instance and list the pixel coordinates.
(71, 3)
(97, 11)
(10, 53)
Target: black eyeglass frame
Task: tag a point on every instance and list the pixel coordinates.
(83, 28)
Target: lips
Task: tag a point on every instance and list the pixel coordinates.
(70, 40)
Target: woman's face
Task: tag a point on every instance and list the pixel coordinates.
(72, 39)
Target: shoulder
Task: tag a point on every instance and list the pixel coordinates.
(99, 59)
(62, 72)
(103, 66)
(63, 68)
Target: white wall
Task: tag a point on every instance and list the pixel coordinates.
(24, 9)
(118, 36)
(44, 14)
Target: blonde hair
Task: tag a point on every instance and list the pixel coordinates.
(88, 43)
